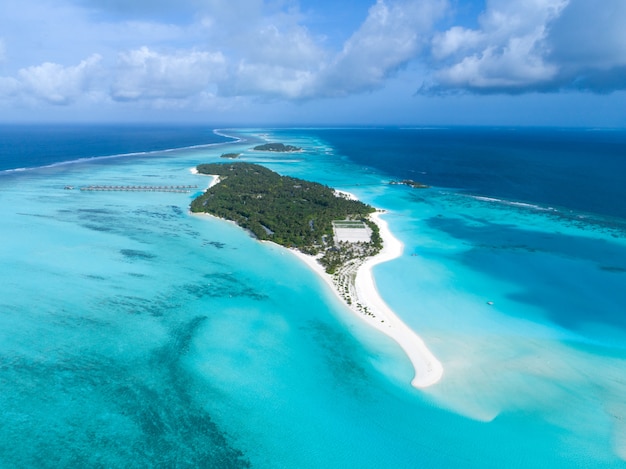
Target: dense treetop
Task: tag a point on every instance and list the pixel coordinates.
(278, 147)
(283, 209)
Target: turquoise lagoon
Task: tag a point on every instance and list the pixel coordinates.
(134, 334)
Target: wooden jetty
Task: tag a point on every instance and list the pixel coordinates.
(181, 189)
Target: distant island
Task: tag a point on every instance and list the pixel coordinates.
(291, 212)
(231, 156)
(411, 183)
(277, 147)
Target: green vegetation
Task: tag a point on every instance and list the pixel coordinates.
(277, 147)
(411, 183)
(335, 257)
(230, 155)
(289, 211)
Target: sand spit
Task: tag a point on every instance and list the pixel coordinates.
(355, 285)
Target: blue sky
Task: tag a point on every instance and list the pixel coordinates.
(315, 62)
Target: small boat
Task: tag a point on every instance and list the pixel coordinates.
(68, 188)
(490, 303)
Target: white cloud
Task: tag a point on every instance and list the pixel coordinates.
(288, 62)
(201, 51)
(275, 63)
(538, 45)
(391, 36)
(514, 66)
(508, 52)
(268, 80)
(294, 48)
(57, 84)
(456, 40)
(146, 74)
(271, 55)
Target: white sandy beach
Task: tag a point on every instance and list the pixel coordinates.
(216, 178)
(345, 194)
(365, 302)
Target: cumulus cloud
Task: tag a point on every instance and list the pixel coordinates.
(294, 48)
(508, 52)
(539, 45)
(274, 56)
(392, 35)
(167, 54)
(56, 84)
(146, 74)
(268, 80)
(293, 64)
(276, 63)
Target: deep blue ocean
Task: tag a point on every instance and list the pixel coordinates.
(31, 146)
(134, 334)
(577, 169)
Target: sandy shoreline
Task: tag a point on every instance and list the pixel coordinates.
(363, 299)
(354, 284)
(345, 194)
(216, 178)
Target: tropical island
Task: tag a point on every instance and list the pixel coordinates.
(292, 212)
(410, 183)
(277, 147)
(231, 156)
(336, 235)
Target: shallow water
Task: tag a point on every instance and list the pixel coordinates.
(135, 334)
